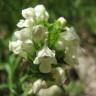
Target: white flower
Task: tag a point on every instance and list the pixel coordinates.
(70, 34)
(39, 33)
(28, 13)
(37, 85)
(21, 47)
(41, 13)
(20, 24)
(28, 46)
(29, 22)
(15, 46)
(61, 21)
(67, 38)
(45, 58)
(53, 90)
(71, 54)
(23, 34)
(26, 23)
(69, 42)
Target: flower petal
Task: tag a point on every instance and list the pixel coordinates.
(41, 13)
(15, 46)
(28, 13)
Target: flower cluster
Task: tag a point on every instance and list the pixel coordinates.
(30, 30)
(35, 32)
(47, 45)
(37, 35)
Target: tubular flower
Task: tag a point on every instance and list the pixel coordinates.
(27, 46)
(39, 33)
(21, 24)
(41, 13)
(23, 34)
(25, 23)
(67, 38)
(70, 34)
(21, 47)
(15, 46)
(45, 58)
(28, 13)
(69, 42)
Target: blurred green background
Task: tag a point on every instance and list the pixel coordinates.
(79, 13)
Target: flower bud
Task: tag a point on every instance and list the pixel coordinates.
(61, 21)
(60, 45)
